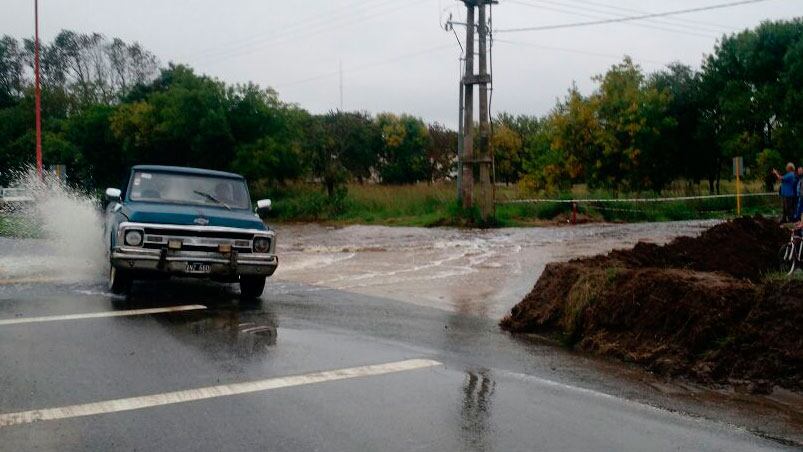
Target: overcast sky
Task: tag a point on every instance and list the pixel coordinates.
(395, 55)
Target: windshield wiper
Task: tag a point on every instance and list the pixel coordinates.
(211, 198)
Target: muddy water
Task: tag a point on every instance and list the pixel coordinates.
(478, 272)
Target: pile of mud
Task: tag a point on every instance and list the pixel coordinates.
(699, 307)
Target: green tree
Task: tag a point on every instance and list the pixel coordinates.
(751, 85)
(507, 147)
(12, 77)
(441, 152)
(404, 156)
(690, 157)
(185, 124)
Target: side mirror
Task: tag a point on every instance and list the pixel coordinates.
(113, 194)
(263, 207)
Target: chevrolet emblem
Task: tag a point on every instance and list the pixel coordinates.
(201, 221)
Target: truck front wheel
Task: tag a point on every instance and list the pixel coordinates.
(251, 287)
(119, 281)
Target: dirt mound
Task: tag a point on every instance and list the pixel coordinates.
(697, 307)
(744, 248)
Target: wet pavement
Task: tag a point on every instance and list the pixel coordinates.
(253, 377)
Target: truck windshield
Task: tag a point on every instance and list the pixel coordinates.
(189, 189)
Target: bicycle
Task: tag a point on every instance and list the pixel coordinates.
(791, 254)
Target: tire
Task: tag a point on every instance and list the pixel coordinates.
(251, 287)
(119, 281)
(786, 262)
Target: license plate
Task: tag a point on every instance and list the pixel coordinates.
(198, 267)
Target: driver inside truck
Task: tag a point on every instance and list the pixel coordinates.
(223, 192)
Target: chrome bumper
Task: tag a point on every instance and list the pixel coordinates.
(175, 261)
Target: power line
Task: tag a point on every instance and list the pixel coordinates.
(574, 13)
(313, 20)
(345, 21)
(679, 20)
(659, 24)
(629, 18)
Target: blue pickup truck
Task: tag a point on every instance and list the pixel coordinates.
(189, 222)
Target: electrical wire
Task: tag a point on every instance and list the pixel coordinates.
(656, 22)
(607, 15)
(346, 21)
(629, 18)
(311, 20)
(668, 20)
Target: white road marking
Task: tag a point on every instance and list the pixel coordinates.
(168, 398)
(95, 315)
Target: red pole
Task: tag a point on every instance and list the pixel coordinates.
(37, 92)
(574, 213)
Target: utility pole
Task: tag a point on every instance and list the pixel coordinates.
(482, 159)
(460, 143)
(467, 181)
(449, 26)
(37, 91)
(485, 198)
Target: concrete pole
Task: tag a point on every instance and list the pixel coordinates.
(460, 139)
(485, 198)
(468, 111)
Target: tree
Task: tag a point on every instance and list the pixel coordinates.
(186, 124)
(634, 118)
(441, 152)
(578, 138)
(11, 72)
(507, 147)
(269, 159)
(690, 158)
(358, 142)
(751, 86)
(324, 154)
(404, 158)
(102, 163)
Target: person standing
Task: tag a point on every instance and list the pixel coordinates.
(788, 192)
(799, 186)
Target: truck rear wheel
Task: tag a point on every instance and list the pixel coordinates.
(251, 287)
(119, 281)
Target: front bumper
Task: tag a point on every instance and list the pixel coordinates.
(174, 262)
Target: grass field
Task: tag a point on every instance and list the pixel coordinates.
(16, 226)
(436, 205)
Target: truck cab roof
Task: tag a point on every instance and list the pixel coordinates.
(185, 170)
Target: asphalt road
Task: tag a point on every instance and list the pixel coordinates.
(309, 369)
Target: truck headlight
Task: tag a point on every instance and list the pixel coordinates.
(133, 238)
(261, 244)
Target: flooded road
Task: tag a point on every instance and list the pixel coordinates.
(476, 272)
(368, 338)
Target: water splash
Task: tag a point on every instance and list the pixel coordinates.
(57, 236)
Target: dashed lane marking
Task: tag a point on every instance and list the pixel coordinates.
(210, 392)
(95, 315)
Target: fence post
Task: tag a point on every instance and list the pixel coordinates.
(574, 213)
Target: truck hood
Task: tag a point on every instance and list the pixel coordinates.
(140, 212)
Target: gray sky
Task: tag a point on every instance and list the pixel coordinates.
(394, 54)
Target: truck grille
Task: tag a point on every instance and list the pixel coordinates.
(189, 233)
(195, 240)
